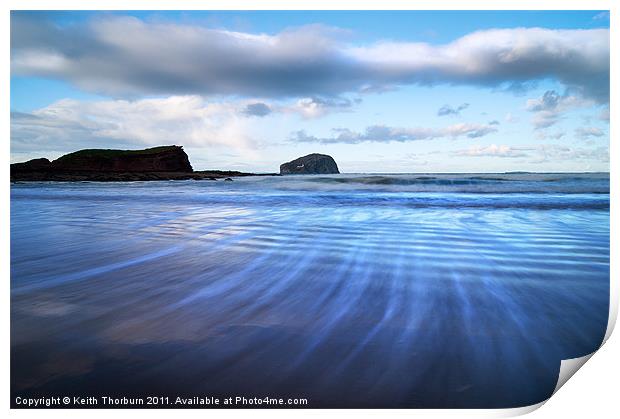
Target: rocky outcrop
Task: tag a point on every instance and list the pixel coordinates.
(158, 159)
(312, 164)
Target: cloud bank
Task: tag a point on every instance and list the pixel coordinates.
(386, 134)
(495, 151)
(124, 56)
(188, 120)
(540, 153)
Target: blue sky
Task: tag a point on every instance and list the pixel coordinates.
(407, 91)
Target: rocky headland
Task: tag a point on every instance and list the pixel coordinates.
(102, 165)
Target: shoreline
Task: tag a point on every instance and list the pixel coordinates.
(93, 176)
(213, 175)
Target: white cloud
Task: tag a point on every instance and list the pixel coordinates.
(542, 135)
(314, 107)
(494, 151)
(554, 152)
(126, 56)
(550, 107)
(449, 110)
(382, 133)
(491, 57)
(587, 132)
(468, 130)
(540, 153)
(187, 120)
(510, 118)
(601, 16)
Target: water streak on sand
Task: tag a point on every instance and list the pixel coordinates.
(354, 290)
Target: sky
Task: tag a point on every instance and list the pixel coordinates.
(390, 92)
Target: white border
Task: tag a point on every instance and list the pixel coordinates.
(593, 389)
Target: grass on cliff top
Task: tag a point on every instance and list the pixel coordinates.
(108, 153)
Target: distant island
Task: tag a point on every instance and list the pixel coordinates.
(157, 163)
(312, 164)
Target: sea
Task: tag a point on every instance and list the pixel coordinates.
(348, 291)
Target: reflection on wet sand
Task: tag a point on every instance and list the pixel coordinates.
(349, 304)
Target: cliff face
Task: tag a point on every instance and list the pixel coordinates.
(158, 159)
(310, 164)
(32, 165)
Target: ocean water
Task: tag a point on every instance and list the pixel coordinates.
(420, 290)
